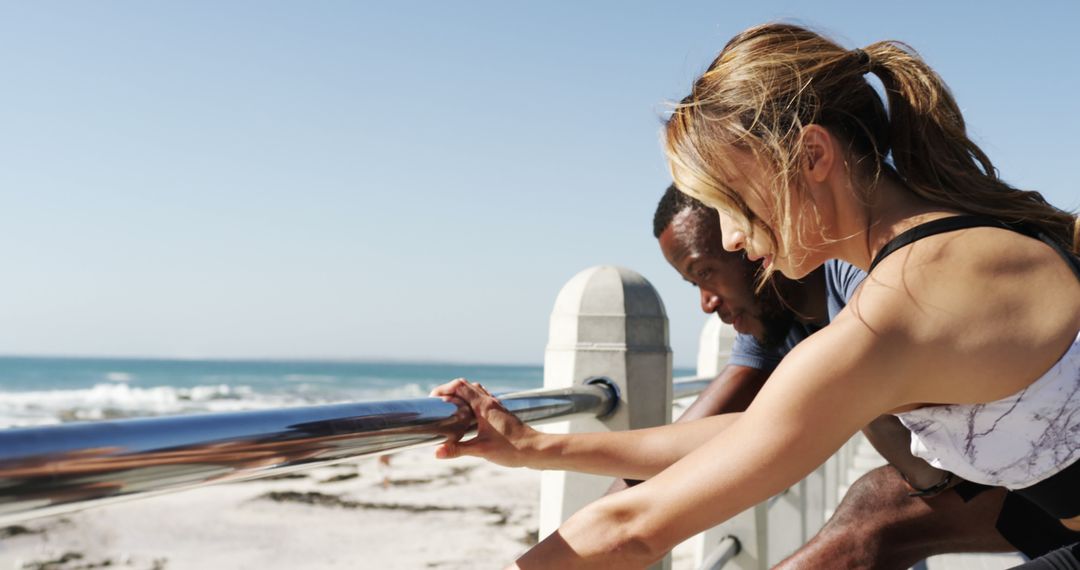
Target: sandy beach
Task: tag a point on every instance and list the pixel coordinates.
(464, 513)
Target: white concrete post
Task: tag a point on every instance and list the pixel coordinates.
(786, 528)
(832, 484)
(714, 346)
(607, 321)
(816, 502)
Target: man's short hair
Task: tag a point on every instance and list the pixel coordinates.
(670, 205)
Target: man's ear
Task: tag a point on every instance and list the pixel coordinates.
(818, 153)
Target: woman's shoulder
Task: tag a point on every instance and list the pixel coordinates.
(974, 263)
(974, 276)
(980, 300)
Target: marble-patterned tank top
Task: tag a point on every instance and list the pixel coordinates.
(1014, 442)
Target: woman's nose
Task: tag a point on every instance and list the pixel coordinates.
(733, 239)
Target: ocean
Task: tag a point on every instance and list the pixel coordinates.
(41, 391)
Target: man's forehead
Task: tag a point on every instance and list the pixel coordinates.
(697, 232)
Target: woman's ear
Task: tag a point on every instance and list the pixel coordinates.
(819, 153)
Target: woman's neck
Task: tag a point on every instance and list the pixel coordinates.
(867, 224)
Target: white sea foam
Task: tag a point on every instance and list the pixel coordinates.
(311, 378)
(122, 400)
(105, 401)
(119, 377)
(410, 390)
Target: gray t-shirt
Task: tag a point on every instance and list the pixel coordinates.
(841, 280)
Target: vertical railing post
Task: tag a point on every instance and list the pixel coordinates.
(714, 349)
(832, 484)
(610, 322)
(786, 528)
(815, 502)
(714, 346)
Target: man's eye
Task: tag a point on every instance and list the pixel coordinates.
(703, 274)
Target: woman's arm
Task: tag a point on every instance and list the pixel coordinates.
(828, 388)
(506, 440)
(730, 392)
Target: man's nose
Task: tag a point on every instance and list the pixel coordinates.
(709, 300)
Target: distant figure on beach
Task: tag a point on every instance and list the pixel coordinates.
(967, 326)
(892, 517)
(384, 469)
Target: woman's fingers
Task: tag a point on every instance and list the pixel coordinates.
(461, 390)
(446, 450)
(453, 449)
(469, 391)
(447, 389)
(497, 429)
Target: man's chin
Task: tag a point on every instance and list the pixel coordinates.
(768, 337)
(773, 334)
(746, 325)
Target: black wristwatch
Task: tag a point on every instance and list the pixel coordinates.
(931, 490)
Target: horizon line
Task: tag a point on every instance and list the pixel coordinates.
(280, 359)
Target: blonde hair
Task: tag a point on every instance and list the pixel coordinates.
(771, 81)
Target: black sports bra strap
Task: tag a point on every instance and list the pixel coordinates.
(968, 221)
(933, 228)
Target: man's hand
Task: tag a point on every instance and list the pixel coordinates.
(893, 441)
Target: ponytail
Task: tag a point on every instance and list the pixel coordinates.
(1076, 235)
(936, 159)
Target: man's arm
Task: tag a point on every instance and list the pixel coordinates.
(731, 391)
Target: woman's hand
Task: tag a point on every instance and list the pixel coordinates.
(500, 436)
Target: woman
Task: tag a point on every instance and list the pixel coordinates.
(786, 138)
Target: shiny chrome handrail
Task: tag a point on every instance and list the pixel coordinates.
(54, 469)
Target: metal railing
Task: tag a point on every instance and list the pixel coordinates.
(725, 552)
(685, 387)
(54, 469)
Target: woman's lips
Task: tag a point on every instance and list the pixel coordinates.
(766, 260)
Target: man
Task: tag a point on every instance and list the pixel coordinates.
(893, 516)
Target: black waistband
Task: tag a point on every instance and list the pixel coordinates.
(968, 221)
(1059, 495)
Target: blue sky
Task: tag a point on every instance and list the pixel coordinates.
(409, 180)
